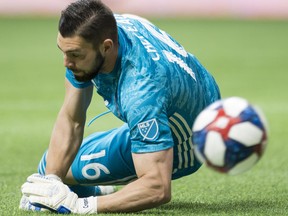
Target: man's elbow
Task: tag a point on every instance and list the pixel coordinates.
(166, 198)
(162, 195)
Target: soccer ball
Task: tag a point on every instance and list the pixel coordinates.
(230, 135)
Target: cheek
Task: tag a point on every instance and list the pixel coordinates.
(89, 61)
(85, 64)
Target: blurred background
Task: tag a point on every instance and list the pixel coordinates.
(272, 9)
(243, 43)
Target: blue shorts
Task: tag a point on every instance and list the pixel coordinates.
(105, 158)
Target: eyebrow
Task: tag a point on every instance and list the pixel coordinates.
(69, 51)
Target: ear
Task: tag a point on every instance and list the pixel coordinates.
(107, 46)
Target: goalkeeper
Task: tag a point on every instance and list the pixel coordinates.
(147, 80)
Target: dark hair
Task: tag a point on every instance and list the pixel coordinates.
(90, 19)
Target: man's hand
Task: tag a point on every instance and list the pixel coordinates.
(27, 206)
(50, 193)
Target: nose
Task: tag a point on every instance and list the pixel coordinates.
(68, 62)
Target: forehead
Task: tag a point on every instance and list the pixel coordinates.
(74, 43)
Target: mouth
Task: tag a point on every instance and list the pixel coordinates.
(78, 73)
(75, 71)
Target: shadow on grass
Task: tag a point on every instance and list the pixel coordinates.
(196, 208)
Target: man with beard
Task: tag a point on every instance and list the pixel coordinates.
(146, 79)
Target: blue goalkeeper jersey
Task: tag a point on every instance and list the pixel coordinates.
(157, 88)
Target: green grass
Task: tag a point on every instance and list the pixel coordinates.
(248, 59)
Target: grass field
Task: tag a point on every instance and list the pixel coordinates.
(248, 59)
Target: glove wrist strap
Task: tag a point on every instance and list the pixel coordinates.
(87, 205)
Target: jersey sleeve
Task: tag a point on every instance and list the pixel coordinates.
(146, 115)
(70, 76)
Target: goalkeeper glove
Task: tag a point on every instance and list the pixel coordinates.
(49, 192)
(27, 206)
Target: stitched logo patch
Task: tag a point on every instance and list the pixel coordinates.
(148, 129)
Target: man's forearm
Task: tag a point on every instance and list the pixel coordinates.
(134, 197)
(64, 144)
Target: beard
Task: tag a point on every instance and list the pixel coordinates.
(89, 75)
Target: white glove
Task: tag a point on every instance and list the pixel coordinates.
(49, 192)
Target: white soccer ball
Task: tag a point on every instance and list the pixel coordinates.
(230, 135)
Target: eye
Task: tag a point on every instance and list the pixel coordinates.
(75, 55)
